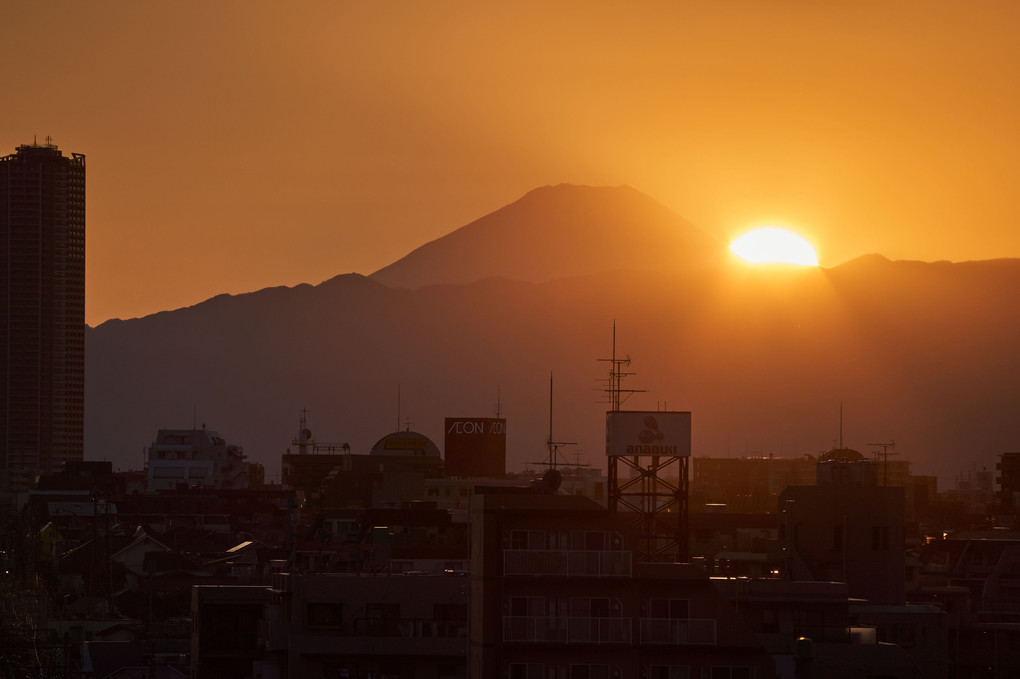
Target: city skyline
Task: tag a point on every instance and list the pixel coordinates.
(241, 146)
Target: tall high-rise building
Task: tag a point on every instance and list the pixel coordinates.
(42, 312)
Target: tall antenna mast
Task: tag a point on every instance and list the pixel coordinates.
(549, 441)
(841, 426)
(553, 446)
(616, 375)
(884, 456)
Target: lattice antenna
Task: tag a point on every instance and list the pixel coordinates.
(615, 388)
(884, 455)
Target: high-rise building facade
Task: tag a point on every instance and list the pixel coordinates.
(42, 312)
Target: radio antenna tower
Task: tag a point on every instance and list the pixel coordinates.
(615, 388)
(884, 456)
(552, 446)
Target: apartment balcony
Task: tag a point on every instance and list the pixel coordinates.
(678, 632)
(553, 562)
(382, 636)
(566, 630)
(411, 628)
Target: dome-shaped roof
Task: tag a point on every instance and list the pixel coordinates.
(405, 443)
(841, 455)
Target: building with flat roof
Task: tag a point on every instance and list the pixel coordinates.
(195, 458)
(846, 528)
(42, 326)
(557, 590)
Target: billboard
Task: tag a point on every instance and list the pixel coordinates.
(641, 433)
(475, 447)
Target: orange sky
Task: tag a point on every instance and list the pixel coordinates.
(237, 145)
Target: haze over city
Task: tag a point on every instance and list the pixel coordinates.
(234, 146)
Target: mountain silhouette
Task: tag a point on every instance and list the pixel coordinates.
(559, 232)
(920, 353)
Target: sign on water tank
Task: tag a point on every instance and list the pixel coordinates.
(642, 433)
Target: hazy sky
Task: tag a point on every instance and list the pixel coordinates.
(237, 145)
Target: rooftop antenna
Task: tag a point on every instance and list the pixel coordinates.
(499, 409)
(304, 438)
(841, 425)
(616, 375)
(553, 446)
(652, 498)
(884, 456)
(577, 459)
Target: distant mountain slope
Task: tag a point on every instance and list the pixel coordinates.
(920, 353)
(559, 232)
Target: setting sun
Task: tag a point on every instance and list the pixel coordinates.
(774, 246)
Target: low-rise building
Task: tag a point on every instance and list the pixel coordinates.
(354, 626)
(195, 458)
(556, 591)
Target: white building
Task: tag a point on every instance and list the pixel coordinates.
(194, 458)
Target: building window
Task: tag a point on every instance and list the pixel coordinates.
(324, 614)
(532, 670)
(808, 622)
(450, 612)
(594, 607)
(769, 620)
(383, 611)
(732, 673)
(670, 609)
(527, 539)
(589, 672)
(381, 620)
(669, 672)
(521, 606)
(596, 541)
(451, 620)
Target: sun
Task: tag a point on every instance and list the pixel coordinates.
(772, 245)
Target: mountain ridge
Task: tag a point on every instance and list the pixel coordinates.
(917, 352)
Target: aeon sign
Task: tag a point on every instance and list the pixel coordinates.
(480, 426)
(475, 447)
